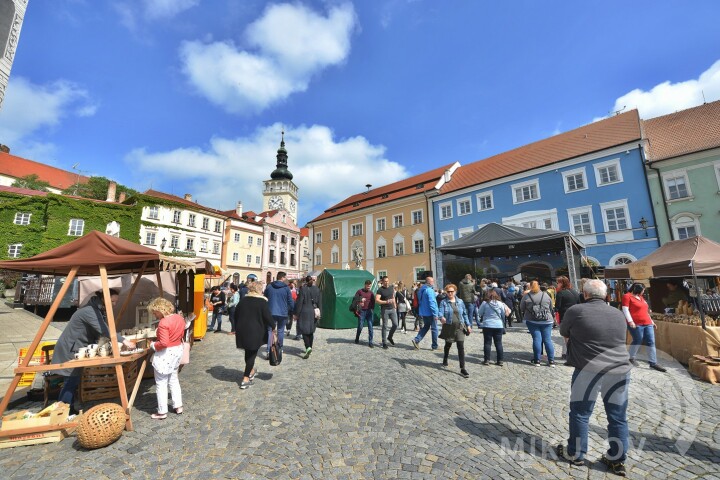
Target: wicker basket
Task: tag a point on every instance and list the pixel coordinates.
(101, 425)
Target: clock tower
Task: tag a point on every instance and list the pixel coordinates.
(280, 193)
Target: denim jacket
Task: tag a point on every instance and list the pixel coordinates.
(446, 311)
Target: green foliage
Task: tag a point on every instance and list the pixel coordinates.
(96, 188)
(31, 182)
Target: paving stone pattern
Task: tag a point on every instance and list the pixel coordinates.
(351, 412)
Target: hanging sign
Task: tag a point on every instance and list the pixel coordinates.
(640, 271)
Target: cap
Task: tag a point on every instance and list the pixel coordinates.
(252, 277)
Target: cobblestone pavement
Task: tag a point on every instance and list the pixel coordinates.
(353, 412)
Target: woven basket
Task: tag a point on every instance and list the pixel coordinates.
(101, 425)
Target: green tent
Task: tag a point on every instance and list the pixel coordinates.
(338, 288)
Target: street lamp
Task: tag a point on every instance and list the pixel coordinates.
(644, 225)
(162, 244)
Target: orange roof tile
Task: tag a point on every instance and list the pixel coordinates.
(597, 136)
(233, 214)
(304, 232)
(23, 191)
(683, 132)
(18, 167)
(404, 188)
(175, 198)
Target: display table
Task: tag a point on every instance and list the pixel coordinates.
(707, 372)
(683, 341)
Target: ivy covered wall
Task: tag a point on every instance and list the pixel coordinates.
(50, 221)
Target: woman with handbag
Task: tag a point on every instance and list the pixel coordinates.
(251, 330)
(307, 313)
(493, 314)
(455, 326)
(168, 349)
(402, 302)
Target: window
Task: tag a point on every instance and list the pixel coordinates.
(190, 244)
(191, 220)
(14, 250)
(417, 271)
(399, 248)
(616, 219)
(464, 207)
(581, 223)
(293, 241)
(381, 274)
(272, 256)
(273, 236)
(334, 257)
(445, 211)
(149, 238)
(153, 213)
(526, 191)
(397, 221)
(356, 229)
(318, 237)
(218, 226)
(380, 225)
(203, 245)
(292, 259)
(206, 223)
(283, 239)
(282, 258)
(574, 180)
(334, 234)
(464, 232)
(248, 258)
(607, 173)
(381, 253)
(685, 226)
(417, 217)
(446, 237)
(236, 238)
(485, 201)
(259, 241)
(174, 241)
(176, 216)
(621, 259)
(76, 227)
(257, 259)
(676, 185)
(22, 218)
(236, 256)
(418, 246)
(216, 248)
(318, 259)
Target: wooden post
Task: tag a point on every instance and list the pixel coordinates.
(159, 280)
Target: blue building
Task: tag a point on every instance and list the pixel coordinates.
(589, 181)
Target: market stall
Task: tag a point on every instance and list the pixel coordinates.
(93, 254)
(686, 332)
(338, 288)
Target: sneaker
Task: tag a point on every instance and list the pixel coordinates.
(535, 362)
(616, 468)
(445, 363)
(486, 362)
(217, 331)
(385, 347)
(657, 367)
(551, 363)
(307, 353)
(415, 344)
(464, 373)
(357, 340)
(371, 345)
(391, 341)
(499, 364)
(244, 384)
(253, 374)
(564, 455)
(634, 362)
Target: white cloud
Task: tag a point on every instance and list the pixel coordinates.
(30, 108)
(287, 46)
(667, 97)
(326, 170)
(132, 12)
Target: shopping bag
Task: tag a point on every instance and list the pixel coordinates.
(185, 359)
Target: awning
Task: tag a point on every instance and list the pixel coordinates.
(176, 264)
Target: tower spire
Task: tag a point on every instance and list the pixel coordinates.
(281, 171)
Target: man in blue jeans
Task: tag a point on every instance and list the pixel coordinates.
(280, 302)
(596, 348)
(428, 310)
(365, 301)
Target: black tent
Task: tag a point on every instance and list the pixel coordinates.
(495, 240)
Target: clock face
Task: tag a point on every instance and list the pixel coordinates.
(292, 206)
(276, 203)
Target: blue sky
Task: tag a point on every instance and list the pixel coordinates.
(190, 96)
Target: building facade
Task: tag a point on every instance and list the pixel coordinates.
(683, 169)
(242, 246)
(385, 231)
(589, 181)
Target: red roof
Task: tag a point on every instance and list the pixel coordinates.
(18, 167)
(404, 188)
(23, 191)
(233, 214)
(175, 198)
(680, 133)
(597, 136)
(304, 232)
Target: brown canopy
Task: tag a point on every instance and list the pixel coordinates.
(674, 260)
(88, 252)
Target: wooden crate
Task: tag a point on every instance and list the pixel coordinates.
(32, 439)
(52, 416)
(37, 359)
(100, 383)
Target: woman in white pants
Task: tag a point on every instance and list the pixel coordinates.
(168, 352)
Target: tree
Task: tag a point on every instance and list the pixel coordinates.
(31, 182)
(96, 188)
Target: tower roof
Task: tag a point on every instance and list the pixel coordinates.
(281, 171)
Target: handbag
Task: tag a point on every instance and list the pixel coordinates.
(185, 359)
(275, 353)
(448, 331)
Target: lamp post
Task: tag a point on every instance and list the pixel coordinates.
(162, 244)
(644, 225)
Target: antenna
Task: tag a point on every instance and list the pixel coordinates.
(368, 187)
(703, 94)
(617, 112)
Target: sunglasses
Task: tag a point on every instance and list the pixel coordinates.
(450, 291)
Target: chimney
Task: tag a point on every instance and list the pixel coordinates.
(188, 197)
(121, 198)
(112, 187)
(4, 148)
(238, 209)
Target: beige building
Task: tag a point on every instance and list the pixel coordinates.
(243, 246)
(384, 230)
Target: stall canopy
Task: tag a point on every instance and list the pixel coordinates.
(682, 258)
(495, 240)
(338, 288)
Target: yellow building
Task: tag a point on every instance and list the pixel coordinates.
(385, 230)
(243, 246)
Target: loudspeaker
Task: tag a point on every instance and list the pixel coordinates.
(423, 275)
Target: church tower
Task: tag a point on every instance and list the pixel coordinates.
(280, 193)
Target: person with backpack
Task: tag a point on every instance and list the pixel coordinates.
(536, 307)
(466, 293)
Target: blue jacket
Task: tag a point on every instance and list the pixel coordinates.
(427, 304)
(446, 311)
(279, 299)
(492, 314)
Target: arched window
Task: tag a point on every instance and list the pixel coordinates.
(622, 259)
(685, 225)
